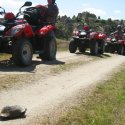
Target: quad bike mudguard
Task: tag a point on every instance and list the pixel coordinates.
(121, 42)
(22, 29)
(46, 29)
(96, 35)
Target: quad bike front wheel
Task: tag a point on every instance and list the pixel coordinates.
(72, 46)
(121, 50)
(22, 52)
(50, 48)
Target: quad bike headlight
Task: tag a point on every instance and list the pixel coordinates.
(83, 33)
(113, 39)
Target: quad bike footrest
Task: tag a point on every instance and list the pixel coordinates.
(38, 52)
(5, 38)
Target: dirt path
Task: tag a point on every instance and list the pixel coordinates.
(38, 66)
(46, 93)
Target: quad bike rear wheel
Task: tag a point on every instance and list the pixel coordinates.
(112, 48)
(22, 52)
(82, 48)
(107, 46)
(121, 50)
(102, 47)
(50, 48)
(72, 46)
(94, 47)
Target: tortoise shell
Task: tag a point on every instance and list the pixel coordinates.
(13, 111)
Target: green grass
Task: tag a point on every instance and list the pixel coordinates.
(4, 56)
(105, 106)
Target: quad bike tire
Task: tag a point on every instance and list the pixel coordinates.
(72, 46)
(82, 48)
(112, 49)
(94, 47)
(121, 50)
(107, 48)
(50, 48)
(102, 47)
(22, 52)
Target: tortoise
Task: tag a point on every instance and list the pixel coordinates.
(14, 111)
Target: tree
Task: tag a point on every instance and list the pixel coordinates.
(99, 17)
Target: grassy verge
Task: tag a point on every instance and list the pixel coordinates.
(105, 106)
(62, 45)
(4, 56)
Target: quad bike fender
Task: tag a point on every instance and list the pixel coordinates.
(46, 29)
(108, 40)
(28, 31)
(122, 42)
(96, 35)
(101, 36)
(22, 29)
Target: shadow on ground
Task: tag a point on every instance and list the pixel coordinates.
(8, 119)
(9, 66)
(99, 55)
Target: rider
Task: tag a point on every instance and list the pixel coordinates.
(51, 12)
(86, 28)
(118, 32)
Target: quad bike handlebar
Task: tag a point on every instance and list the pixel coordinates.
(22, 12)
(27, 3)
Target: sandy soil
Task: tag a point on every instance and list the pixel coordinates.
(42, 96)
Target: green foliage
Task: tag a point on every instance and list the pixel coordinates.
(60, 25)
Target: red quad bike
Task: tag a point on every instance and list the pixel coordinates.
(97, 43)
(78, 40)
(83, 40)
(121, 46)
(112, 43)
(23, 37)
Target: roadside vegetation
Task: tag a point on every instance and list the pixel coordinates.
(62, 45)
(4, 56)
(105, 106)
(65, 25)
